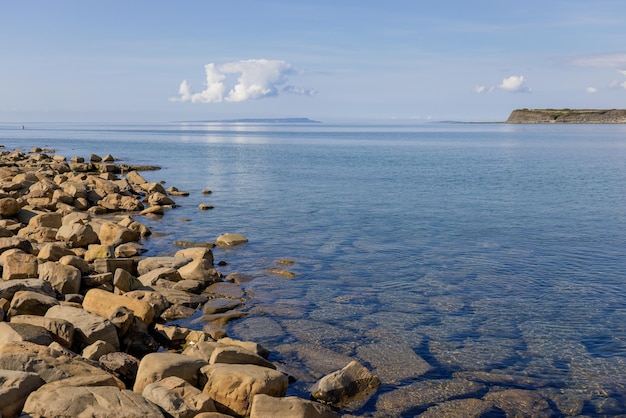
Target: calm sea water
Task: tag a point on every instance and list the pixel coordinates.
(480, 248)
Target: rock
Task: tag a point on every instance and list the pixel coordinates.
(135, 178)
(127, 250)
(152, 187)
(103, 281)
(27, 302)
(122, 318)
(51, 363)
(152, 263)
(201, 350)
(105, 303)
(220, 305)
(122, 365)
(230, 354)
(15, 386)
(124, 281)
(89, 402)
(97, 251)
(178, 398)
(10, 332)
(393, 361)
(97, 350)
(110, 265)
(467, 408)
(204, 206)
(175, 312)
(113, 234)
(79, 263)
(64, 279)
(163, 273)
(264, 406)
(62, 331)
(47, 220)
(229, 240)
(155, 299)
(201, 270)
(420, 395)
(77, 235)
(19, 265)
(180, 297)
(196, 253)
(246, 345)
(160, 199)
(156, 366)
(521, 403)
(233, 386)
(54, 252)
(9, 207)
(8, 243)
(229, 290)
(337, 388)
(88, 326)
(8, 289)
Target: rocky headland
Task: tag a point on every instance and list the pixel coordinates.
(580, 116)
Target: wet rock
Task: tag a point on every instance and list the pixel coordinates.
(178, 398)
(230, 240)
(521, 403)
(15, 386)
(338, 388)
(95, 402)
(229, 290)
(289, 407)
(393, 361)
(421, 395)
(467, 408)
(231, 354)
(220, 305)
(233, 386)
(156, 366)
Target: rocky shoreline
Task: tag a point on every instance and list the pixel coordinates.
(86, 320)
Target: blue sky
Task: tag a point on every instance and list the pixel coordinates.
(328, 60)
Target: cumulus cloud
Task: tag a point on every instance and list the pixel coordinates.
(256, 79)
(515, 83)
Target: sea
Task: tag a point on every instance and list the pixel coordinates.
(494, 253)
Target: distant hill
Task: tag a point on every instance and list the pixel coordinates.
(567, 116)
(259, 120)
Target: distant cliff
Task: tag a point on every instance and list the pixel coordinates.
(567, 116)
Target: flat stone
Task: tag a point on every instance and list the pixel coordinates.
(393, 361)
(230, 240)
(288, 407)
(88, 326)
(220, 305)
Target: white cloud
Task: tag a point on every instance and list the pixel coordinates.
(257, 79)
(592, 90)
(515, 83)
(479, 89)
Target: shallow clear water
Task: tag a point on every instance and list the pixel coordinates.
(492, 248)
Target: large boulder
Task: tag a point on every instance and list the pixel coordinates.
(10, 332)
(54, 252)
(178, 398)
(88, 326)
(156, 366)
(201, 270)
(264, 406)
(8, 243)
(114, 234)
(89, 402)
(233, 386)
(15, 387)
(231, 354)
(10, 288)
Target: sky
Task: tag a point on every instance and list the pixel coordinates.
(333, 61)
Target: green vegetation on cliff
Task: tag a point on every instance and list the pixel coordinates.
(567, 116)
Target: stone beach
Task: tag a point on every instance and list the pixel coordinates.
(86, 319)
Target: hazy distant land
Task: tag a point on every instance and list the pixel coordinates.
(567, 116)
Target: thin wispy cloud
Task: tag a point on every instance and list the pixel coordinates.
(256, 79)
(592, 90)
(604, 60)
